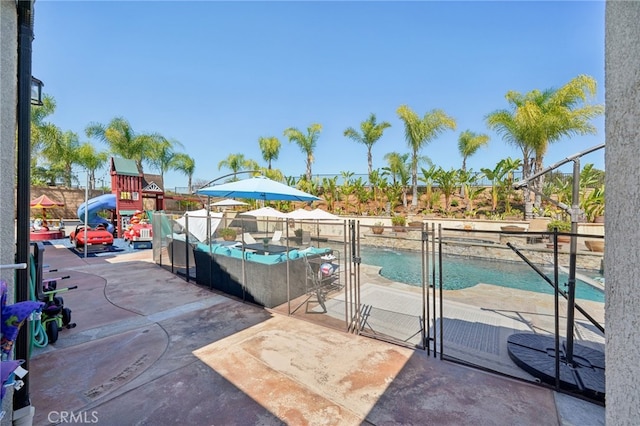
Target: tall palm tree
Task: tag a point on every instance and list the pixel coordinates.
(185, 164)
(122, 140)
(559, 113)
(419, 132)
(538, 118)
(270, 147)
(469, 143)
(371, 133)
(91, 160)
(306, 142)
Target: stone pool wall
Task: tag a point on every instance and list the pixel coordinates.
(492, 246)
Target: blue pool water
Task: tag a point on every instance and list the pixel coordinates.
(462, 272)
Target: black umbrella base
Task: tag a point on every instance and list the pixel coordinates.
(536, 355)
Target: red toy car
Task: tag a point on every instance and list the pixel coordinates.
(95, 236)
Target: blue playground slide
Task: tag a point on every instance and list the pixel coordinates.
(93, 206)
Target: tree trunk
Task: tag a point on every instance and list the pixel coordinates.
(414, 183)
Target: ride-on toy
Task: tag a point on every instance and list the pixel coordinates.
(54, 315)
(98, 236)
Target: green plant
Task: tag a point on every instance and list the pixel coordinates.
(228, 233)
(399, 220)
(298, 232)
(454, 203)
(562, 225)
(593, 203)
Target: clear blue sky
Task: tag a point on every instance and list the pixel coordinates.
(216, 76)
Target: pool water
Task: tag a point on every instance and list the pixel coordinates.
(462, 272)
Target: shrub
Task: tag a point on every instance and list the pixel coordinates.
(562, 225)
(399, 220)
(228, 233)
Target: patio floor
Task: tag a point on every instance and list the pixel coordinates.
(150, 348)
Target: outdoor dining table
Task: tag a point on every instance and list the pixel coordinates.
(262, 248)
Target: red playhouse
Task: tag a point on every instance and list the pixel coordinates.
(131, 188)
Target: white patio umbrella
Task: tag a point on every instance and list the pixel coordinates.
(315, 214)
(268, 212)
(228, 202)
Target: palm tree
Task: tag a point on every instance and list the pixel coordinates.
(447, 182)
(307, 143)
(503, 168)
(539, 118)
(122, 140)
(399, 170)
(161, 154)
(91, 160)
(559, 113)
(469, 143)
(397, 165)
(270, 148)
(510, 125)
(418, 132)
(237, 162)
(185, 164)
(61, 149)
(41, 131)
(371, 133)
(428, 177)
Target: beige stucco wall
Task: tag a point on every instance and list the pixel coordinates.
(8, 97)
(8, 85)
(622, 259)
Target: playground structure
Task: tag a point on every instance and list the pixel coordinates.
(125, 204)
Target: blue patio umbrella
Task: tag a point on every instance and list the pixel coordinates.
(257, 188)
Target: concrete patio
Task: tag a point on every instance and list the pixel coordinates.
(151, 348)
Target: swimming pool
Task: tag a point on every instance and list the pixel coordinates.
(462, 272)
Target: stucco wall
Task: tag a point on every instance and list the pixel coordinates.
(8, 99)
(622, 258)
(8, 86)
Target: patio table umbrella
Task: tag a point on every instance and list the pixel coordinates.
(43, 202)
(257, 188)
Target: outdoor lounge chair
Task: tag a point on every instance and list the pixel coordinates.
(247, 238)
(275, 238)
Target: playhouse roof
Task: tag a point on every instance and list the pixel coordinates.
(124, 166)
(152, 183)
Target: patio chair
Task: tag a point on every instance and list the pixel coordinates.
(275, 238)
(306, 238)
(314, 286)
